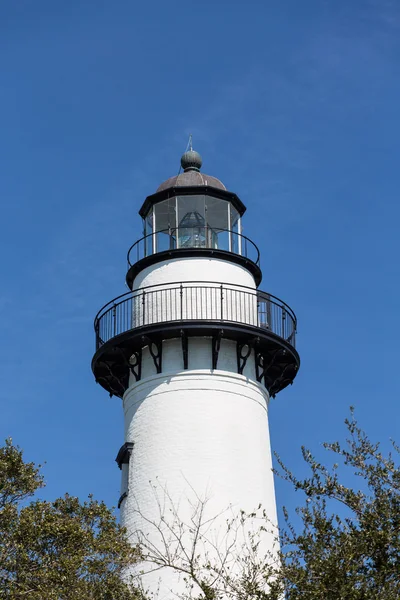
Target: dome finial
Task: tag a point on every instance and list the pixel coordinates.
(191, 160)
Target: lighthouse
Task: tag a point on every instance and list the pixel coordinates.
(194, 350)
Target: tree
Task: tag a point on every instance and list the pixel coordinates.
(346, 546)
(213, 556)
(61, 550)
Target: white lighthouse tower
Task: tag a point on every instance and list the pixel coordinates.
(195, 351)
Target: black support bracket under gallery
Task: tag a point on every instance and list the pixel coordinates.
(276, 360)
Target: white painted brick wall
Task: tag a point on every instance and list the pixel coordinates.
(197, 430)
(194, 269)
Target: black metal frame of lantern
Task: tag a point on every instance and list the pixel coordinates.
(193, 190)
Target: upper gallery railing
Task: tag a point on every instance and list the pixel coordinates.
(193, 237)
(189, 301)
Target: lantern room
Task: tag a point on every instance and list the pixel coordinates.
(192, 210)
(192, 213)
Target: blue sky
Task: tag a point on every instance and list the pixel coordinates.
(294, 105)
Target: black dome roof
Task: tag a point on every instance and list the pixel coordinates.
(191, 178)
(191, 163)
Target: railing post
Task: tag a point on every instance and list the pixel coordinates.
(181, 295)
(229, 229)
(96, 328)
(170, 237)
(114, 313)
(283, 322)
(143, 307)
(222, 302)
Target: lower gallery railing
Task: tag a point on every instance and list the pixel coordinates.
(192, 301)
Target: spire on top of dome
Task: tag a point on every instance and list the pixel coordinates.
(191, 160)
(190, 176)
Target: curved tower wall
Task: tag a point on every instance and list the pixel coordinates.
(197, 432)
(194, 269)
(199, 435)
(207, 429)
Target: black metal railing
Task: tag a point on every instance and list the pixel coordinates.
(193, 237)
(188, 301)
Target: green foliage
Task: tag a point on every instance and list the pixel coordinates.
(348, 546)
(344, 545)
(61, 550)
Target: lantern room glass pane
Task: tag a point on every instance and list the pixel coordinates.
(192, 230)
(217, 217)
(191, 209)
(165, 224)
(148, 224)
(234, 217)
(217, 213)
(192, 221)
(235, 246)
(165, 214)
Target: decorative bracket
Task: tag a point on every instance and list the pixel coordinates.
(243, 356)
(184, 339)
(216, 345)
(114, 378)
(262, 366)
(155, 349)
(107, 385)
(135, 364)
(285, 376)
